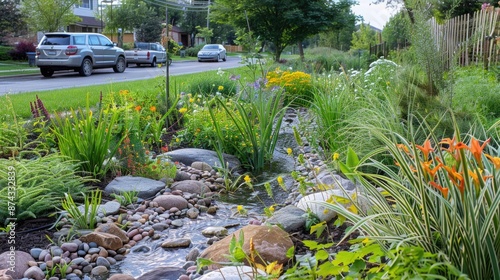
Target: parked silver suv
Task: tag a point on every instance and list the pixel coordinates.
(80, 52)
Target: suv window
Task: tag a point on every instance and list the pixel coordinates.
(94, 40)
(56, 40)
(105, 41)
(79, 40)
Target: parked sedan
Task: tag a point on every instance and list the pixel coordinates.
(212, 52)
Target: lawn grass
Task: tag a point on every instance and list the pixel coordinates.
(71, 98)
(12, 68)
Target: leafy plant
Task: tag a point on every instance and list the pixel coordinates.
(39, 185)
(126, 198)
(88, 140)
(85, 218)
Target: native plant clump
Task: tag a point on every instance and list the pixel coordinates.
(441, 195)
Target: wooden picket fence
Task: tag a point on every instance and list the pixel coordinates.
(469, 40)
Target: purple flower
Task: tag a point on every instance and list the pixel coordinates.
(234, 77)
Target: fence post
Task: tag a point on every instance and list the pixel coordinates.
(486, 52)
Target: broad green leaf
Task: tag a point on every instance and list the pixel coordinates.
(321, 255)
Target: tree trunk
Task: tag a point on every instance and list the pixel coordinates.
(301, 51)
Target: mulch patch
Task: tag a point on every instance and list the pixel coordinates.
(30, 234)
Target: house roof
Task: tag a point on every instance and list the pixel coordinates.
(89, 21)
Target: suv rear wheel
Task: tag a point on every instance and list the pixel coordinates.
(120, 65)
(46, 72)
(153, 64)
(86, 68)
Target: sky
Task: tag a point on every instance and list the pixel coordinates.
(375, 15)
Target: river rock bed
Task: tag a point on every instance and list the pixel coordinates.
(192, 196)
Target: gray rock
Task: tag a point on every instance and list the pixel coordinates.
(176, 243)
(290, 218)
(56, 251)
(163, 273)
(34, 272)
(147, 188)
(203, 166)
(35, 253)
(191, 186)
(214, 231)
(190, 155)
(101, 261)
(99, 271)
(181, 176)
(169, 201)
(192, 255)
(177, 223)
(70, 247)
(20, 263)
(121, 277)
(193, 213)
(231, 273)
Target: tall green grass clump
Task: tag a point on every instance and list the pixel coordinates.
(257, 116)
(439, 194)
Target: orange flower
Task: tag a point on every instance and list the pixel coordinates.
(164, 149)
(456, 178)
(426, 166)
(152, 109)
(453, 147)
(426, 148)
(404, 148)
(138, 108)
(443, 190)
(494, 160)
(477, 150)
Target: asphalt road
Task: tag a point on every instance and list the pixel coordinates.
(69, 79)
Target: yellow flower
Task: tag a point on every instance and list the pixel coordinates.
(494, 160)
(220, 88)
(271, 208)
(280, 180)
(336, 156)
(247, 179)
(177, 140)
(183, 110)
(191, 100)
(289, 151)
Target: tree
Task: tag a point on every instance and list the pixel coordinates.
(396, 31)
(280, 22)
(149, 30)
(363, 38)
(10, 19)
(49, 15)
(193, 19)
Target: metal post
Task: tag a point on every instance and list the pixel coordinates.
(167, 74)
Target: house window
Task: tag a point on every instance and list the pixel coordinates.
(85, 4)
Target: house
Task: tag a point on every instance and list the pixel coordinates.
(87, 11)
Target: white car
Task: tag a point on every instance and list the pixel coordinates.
(212, 52)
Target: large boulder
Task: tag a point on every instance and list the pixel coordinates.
(271, 243)
(190, 155)
(145, 187)
(16, 263)
(168, 201)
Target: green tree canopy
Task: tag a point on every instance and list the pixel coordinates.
(10, 18)
(397, 30)
(49, 15)
(363, 38)
(280, 22)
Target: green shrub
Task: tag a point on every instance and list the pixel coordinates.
(5, 52)
(212, 86)
(40, 184)
(193, 51)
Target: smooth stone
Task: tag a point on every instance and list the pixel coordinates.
(121, 277)
(101, 261)
(176, 243)
(169, 201)
(177, 223)
(106, 240)
(145, 187)
(193, 213)
(163, 273)
(99, 271)
(69, 246)
(232, 273)
(189, 155)
(202, 166)
(111, 228)
(214, 231)
(290, 218)
(190, 186)
(34, 272)
(22, 259)
(35, 253)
